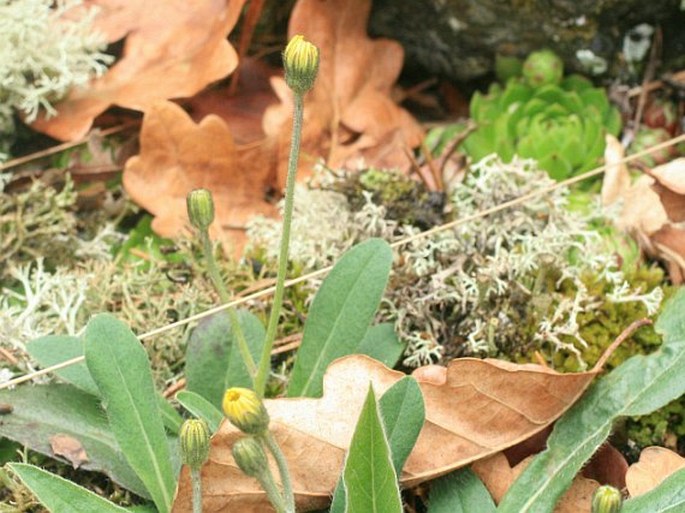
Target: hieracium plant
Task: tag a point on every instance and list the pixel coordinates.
(243, 406)
(560, 122)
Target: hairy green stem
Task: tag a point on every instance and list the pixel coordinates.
(282, 464)
(196, 481)
(266, 479)
(265, 360)
(220, 287)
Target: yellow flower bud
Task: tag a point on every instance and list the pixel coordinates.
(194, 437)
(249, 454)
(606, 499)
(200, 208)
(301, 63)
(245, 410)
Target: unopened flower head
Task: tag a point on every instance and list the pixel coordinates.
(249, 454)
(245, 410)
(200, 208)
(194, 439)
(606, 499)
(301, 63)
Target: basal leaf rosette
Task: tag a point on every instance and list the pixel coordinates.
(561, 126)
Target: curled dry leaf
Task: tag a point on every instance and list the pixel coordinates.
(616, 176)
(655, 465)
(475, 409)
(607, 466)
(173, 49)
(70, 448)
(243, 110)
(498, 476)
(178, 156)
(350, 112)
(653, 209)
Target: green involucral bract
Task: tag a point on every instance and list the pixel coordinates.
(562, 126)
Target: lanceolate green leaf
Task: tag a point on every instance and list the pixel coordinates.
(460, 492)
(381, 343)
(213, 359)
(55, 349)
(201, 408)
(59, 495)
(668, 497)
(340, 314)
(403, 413)
(369, 477)
(120, 367)
(171, 419)
(42, 411)
(639, 386)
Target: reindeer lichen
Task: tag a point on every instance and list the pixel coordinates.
(520, 281)
(44, 51)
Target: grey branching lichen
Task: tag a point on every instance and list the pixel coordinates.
(503, 285)
(53, 278)
(44, 302)
(45, 50)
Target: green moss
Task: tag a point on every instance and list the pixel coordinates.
(665, 427)
(599, 328)
(602, 326)
(406, 201)
(38, 221)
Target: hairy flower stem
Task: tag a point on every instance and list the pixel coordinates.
(276, 452)
(265, 360)
(266, 480)
(196, 481)
(220, 287)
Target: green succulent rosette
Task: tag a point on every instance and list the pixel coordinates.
(562, 126)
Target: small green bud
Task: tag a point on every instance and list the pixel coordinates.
(301, 63)
(249, 454)
(245, 410)
(200, 208)
(194, 439)
(542, 68)
(606, 499)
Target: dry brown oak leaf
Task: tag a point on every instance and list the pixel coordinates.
(497, 476)
(653, 209)
(173, 49)
(655, 465)
(349, 113)
(474, 409)
(177, 155)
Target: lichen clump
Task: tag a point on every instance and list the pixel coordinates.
(35, 219)
(44, 51)
(522, 280)
(58, 268)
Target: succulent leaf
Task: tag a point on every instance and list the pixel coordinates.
(562, 124)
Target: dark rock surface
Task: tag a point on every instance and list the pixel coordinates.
(458, 39)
